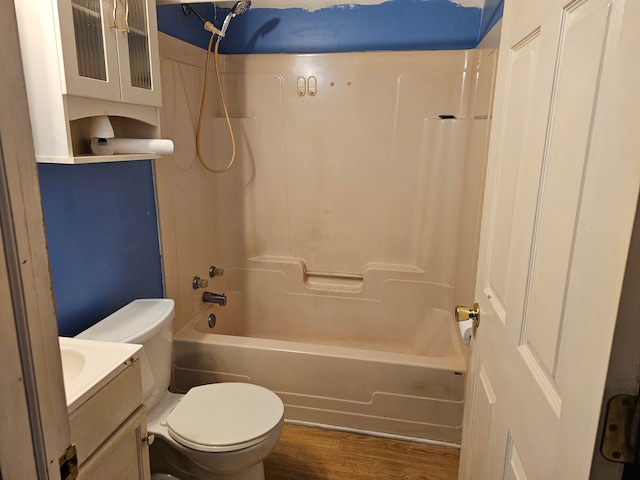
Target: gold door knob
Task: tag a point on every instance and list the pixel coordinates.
(465, 313)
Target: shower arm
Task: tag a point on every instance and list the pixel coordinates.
(208, 26)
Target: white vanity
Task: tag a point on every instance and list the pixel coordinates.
(106, 415)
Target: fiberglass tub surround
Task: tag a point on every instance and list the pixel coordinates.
(347, 229)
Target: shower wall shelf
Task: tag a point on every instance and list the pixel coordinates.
(85, 58)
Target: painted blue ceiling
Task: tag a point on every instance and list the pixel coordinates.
(392, 25)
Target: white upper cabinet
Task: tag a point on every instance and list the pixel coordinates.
(89, 58)
(108, 51)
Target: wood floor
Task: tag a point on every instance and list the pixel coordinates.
(306, 453)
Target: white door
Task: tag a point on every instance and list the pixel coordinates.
(561, 192)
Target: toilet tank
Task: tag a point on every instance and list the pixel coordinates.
(147, 322)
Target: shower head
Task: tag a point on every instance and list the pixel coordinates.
(238, 9)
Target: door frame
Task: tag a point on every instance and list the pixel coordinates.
(34, 429)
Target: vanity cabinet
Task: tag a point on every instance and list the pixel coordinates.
(88, 58)
(124, 456)
(109, 430)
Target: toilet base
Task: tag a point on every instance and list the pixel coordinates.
(166, 460)
(254, 473)
(164, 476)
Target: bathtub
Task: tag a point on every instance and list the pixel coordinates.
(411, 384)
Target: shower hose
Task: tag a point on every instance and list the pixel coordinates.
(224, 106)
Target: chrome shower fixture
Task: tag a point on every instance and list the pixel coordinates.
(187, 9)
(207, 25)
(241, 7)
(238, 9)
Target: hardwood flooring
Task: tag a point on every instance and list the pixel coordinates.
(306, 453)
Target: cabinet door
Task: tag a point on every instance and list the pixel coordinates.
(89, 50)
(124, 455)
(138, 52)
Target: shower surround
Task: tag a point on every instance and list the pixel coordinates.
(347, 229)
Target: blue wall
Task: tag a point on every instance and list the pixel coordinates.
(101, 219)
(102, 235)
(393, 25)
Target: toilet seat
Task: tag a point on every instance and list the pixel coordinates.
(225, 416)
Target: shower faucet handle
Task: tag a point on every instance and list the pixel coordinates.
(215, 271)
(199, 283)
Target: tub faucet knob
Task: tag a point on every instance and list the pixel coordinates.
(199, 283)
(215, 271)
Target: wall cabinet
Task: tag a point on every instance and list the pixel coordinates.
(86, 58)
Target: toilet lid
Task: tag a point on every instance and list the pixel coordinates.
(224, 415)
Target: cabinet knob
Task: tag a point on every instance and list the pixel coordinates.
(148, 439)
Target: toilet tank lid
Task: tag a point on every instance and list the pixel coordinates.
(136, 322)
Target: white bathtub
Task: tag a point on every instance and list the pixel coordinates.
(383, 392)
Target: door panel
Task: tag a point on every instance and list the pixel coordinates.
(484, 412)
(564, 162)
(514, 470)
(518, 106)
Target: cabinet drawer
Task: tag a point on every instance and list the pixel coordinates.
(93, 422)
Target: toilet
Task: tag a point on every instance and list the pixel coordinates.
(221, 431)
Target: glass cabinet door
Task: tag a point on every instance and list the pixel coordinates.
(89, 51)
(89, 34)
(139, 61)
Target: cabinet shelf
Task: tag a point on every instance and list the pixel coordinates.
(84, 159)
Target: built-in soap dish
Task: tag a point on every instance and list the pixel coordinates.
(333, 281)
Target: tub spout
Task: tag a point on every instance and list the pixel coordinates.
(219, 298)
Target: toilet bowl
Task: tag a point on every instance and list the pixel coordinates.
(221, 431)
